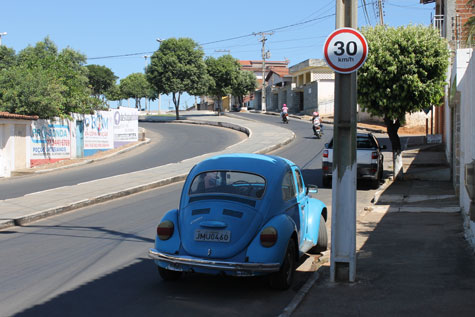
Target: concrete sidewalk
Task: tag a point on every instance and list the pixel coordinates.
(262, 138)
(412, 258)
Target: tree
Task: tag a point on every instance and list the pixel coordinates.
(177, 67)
(470, 24)
(114, 94)
(223, 72)
(135, 86)
(404, 73)
(101, 79)
(243, 84)
(7, 57)
(46, 83)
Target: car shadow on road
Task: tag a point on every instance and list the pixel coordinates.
(136, 290)
(74, 231)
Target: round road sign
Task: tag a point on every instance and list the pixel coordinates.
(345, 50)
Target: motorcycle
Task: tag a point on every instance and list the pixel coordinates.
(284, 117)
(317, 130)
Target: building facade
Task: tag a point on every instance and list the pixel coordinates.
(456, 119)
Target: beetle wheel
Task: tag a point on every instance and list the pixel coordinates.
(322, 242)
(282, 280)
(168, 275)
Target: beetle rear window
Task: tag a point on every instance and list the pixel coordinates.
(228, 182)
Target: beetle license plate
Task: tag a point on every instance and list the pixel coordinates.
(212, 235)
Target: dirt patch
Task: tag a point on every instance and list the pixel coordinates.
(415, 130)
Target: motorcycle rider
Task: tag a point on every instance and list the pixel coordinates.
(316, 121)
(284, 112)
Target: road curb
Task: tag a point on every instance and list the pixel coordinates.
(92, 201)
(412, 209)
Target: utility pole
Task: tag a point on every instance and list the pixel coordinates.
(159, 40)
(343, 233)
(145, 69)
(380, 8)
(264, 56)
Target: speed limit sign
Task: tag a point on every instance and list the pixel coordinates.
(345, 50)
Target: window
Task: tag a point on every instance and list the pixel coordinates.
(288, 187)
(299, 181)
(228, 182)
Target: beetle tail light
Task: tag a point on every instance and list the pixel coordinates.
(325, 153)
(165, 230)
(268, 237)
(374, 155)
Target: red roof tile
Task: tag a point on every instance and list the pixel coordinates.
(8, 115)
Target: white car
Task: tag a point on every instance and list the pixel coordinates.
(369, 160)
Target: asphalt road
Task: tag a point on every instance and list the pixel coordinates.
(93, 261)
(170, 143)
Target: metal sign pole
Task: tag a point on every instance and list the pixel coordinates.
(343, 236)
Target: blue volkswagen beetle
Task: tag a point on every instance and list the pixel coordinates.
(241, 215)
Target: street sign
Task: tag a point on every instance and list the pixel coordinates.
(345, 50)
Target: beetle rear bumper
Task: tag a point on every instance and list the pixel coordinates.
(213, 264)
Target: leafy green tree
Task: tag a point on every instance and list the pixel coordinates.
(7, 57)
(114, 94)
(470, 25)
(243, 84)
(177, 67)
(31, 91)
(135, 86)
(405, 72)
(223, 72)
(101, 79)
(47, 83)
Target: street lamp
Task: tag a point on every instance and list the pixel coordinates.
(2, 34)
(159, 40)
(145, 70)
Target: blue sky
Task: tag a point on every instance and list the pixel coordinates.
(101, 28)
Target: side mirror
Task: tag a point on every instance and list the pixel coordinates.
(312, 189)
(326, 145)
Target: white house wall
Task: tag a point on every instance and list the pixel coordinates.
(326, 91)
(466, 79)
(2, 151)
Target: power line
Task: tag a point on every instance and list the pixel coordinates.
(228, 39)
(123, 55)
(277, 29)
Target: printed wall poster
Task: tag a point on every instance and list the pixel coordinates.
(50, 141)
(98, 132)
(126, 125)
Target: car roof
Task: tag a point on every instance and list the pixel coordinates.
(264, 165)
(359, 135)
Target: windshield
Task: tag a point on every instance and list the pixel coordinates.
(228, 182)
(362, 142)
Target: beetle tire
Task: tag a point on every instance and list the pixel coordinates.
(322, 242)
(168, 275)
(283, 279)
